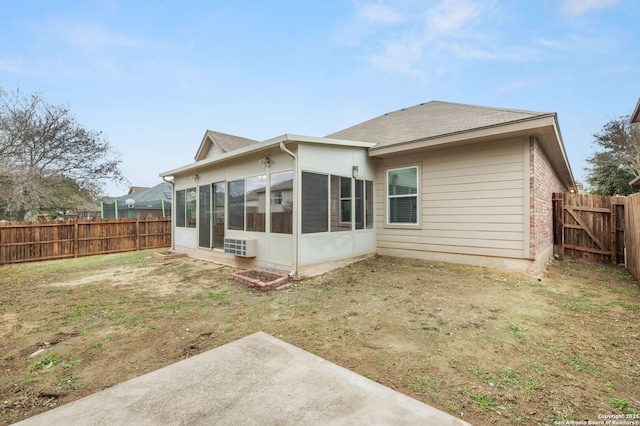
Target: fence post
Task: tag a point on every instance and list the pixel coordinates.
(76, 245)
(614, 233)
(137, 233)
(558, 222)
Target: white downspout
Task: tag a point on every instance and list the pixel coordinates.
(297, 209)
(173, 199)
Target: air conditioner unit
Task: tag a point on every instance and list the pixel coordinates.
(244, 247)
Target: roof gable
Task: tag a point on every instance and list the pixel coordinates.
(216, 143)
(429, 120)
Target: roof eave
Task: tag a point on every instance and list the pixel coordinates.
(460, 136)
(237, 153)
(203, 146)
(544, 127)
(635, 117)
(261, 146)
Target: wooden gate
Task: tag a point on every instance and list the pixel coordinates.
(589, 226)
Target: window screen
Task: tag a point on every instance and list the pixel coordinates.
(180, 206)
(315, 202)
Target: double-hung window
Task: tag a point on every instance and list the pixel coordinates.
(402, 196)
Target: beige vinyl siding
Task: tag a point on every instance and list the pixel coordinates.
(474, 201)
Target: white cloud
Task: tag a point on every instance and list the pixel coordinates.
(514, 85)
(580, 7)
(399, 57)
(431, 32)
(594, 42)
(377, 13)
(436, 34)
(11, 66)
(450, 17)
(553, 43)
(93, 37)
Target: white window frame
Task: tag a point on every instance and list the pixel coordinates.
(349, 199)
(389, 196)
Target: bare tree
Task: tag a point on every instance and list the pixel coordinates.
(43, 149)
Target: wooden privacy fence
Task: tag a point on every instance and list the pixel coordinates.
(632, 234)
(591, 227)
(32, 241)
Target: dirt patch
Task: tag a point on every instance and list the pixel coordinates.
(489, 346)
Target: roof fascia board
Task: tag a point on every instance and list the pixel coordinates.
(635, 117)
(467, 135)
(252, 149)
(201, 149)
(325, 141)
(555, 148)
(237, 153)
(566, 173)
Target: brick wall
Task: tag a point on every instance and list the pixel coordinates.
(543, 181)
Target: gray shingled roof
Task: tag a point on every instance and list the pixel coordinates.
(220, 143)
(228, 142)
(156, 193)
(428, 120)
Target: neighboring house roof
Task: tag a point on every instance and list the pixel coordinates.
(162, 191)
(215, 143)
(158, 192)
(285, 184)
(635, 117)
(135, 189)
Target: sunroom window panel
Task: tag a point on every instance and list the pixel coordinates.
(180, 208)
(218, 212)
(236, 205)
(341, 203)
(359, 204)
(281, 185)
(369, 204)
(256, 207)
(315, 202)
(190, 207)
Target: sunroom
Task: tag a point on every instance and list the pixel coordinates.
(293, 204)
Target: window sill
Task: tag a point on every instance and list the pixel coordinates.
(402, 226)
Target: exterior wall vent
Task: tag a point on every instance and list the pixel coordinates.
(244, 247)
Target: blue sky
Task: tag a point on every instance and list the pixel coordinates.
(155, 75)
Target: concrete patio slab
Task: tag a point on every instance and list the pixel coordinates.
(256, 380)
